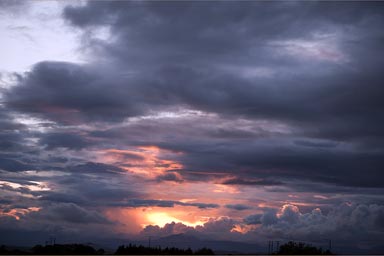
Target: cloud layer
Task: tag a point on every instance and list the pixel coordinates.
(223, 118)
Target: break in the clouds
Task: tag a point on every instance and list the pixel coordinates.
(242, 121)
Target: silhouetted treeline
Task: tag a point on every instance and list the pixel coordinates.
(8, 251)
(142, 250)
(81, 249)
(66, 249)
(292, 248)
(56, 249)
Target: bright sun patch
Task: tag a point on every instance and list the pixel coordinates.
(162, 218)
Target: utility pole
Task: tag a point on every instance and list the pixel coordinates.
(277, 246)
(330, 245)
(269, 247)
(149, 242)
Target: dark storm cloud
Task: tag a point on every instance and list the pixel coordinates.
(209, 87)
(192, 44)
(65, 221)
(69, 93)
(265, 162)
(64, 198)
(250, 182)
(10, 141)
(13, 136)
(96, 190)
(200, 205)
(360, 223)
(7, 123)
(148, 203)
(170, 176)
(238, 207)
(5, 201)
(268, 160)
(316, 144)
(163, 203)
(64, 140)
(13, 165)
(91, 167)
(201, 30)
(287, 97)
(69, 212)
(212, 88)
(336, 88)
(86, 185)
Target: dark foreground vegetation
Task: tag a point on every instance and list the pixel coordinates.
(56, 249)
(81, 249)
(292, 248)
(141, 250)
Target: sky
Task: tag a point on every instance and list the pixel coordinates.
(240, 121)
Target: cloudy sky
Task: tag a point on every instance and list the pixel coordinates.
(244, 121)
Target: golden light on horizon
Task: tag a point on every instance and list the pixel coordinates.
(162, 218)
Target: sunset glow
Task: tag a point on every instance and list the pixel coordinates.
(144, 160)
(162, 218)
(222, 124)
(17, 213)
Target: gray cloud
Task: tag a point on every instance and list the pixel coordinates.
(70, 94)
(162, 203)
(170, 176)
(346, 222)
(250, 182)
(278, 96)
(238, 207)
(195, 71)
(64, 140)
(13, 6)
(256, 159)
(212, 228)
(69, 212)
(14, 165)
(91, 167)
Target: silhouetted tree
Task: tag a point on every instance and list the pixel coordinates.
(100, 251)
(204, 251)
(292, 248)
(3, 250)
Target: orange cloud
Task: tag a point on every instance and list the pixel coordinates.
(18, 212)
(130, 220)
(243, 229)
(145, 160)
